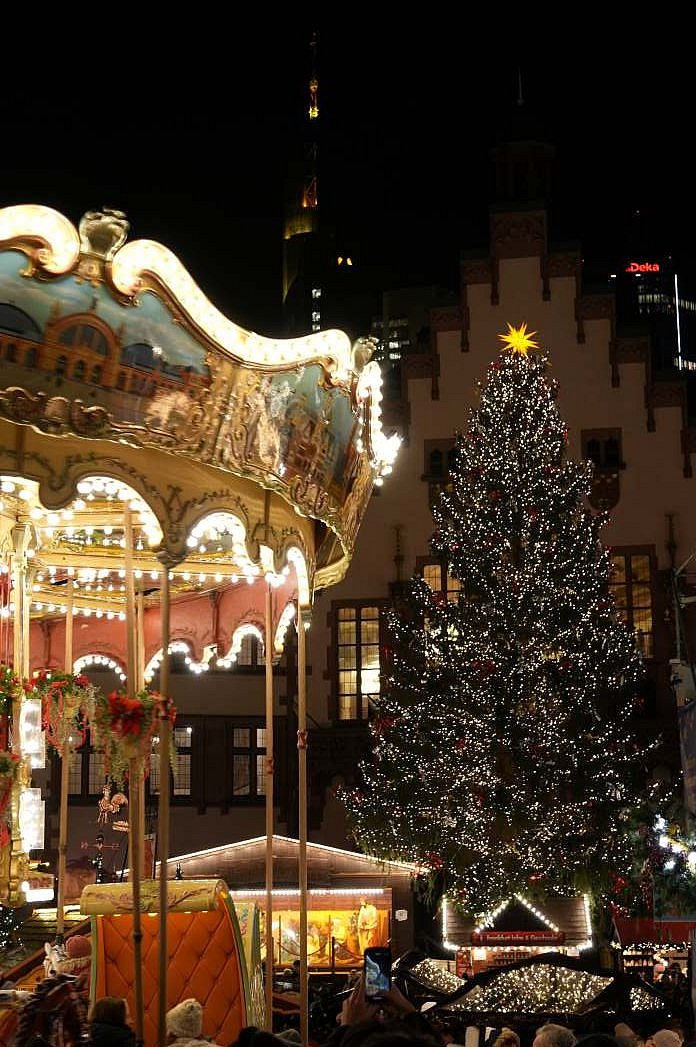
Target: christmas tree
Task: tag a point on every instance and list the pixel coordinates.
(502, 759)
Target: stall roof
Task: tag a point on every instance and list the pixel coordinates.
(638, 930)
(570, 916)
(557, 988)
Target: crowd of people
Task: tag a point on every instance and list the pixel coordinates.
(390, 1021)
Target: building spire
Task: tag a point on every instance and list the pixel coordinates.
(301, 220)
(310, 197)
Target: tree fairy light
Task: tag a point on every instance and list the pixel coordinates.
(503, 760)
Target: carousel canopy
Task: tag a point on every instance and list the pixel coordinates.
(136, 419)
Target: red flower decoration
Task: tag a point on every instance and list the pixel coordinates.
(127, 715)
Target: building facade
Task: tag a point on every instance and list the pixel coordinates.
(630, 421)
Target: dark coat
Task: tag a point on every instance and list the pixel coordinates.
(102, 1034)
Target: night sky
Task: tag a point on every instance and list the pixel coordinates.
(190, 136)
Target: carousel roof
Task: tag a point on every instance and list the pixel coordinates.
(139, 424)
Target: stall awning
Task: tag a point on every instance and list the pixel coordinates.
(644, 930)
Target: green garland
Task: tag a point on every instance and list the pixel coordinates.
(10, 689)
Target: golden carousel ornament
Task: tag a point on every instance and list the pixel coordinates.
(153, 453)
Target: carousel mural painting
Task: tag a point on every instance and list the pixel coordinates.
(159, 466)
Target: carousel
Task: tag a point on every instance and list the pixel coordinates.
(159, 466)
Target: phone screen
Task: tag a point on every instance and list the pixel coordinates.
(378, 963)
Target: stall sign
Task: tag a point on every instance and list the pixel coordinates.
(545, 937)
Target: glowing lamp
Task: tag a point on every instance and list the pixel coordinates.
(32, 740)
(31, 820)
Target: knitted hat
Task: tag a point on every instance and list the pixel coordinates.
(666, 1038)
(78, 945)
(186, 1020)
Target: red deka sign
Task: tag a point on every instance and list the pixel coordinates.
(547, 937)
(643, 267)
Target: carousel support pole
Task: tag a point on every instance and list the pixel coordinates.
(135, 779)
(135, 828)
(139, 634)
(163, 812)
(19, 860)
(64, 772)
(268, 645)
(302, 618)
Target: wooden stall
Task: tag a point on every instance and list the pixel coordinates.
(516, 931)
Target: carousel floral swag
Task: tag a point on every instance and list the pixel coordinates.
(67, 706)
(126, 728)
(9, 768)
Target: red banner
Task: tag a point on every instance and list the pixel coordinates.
(546, 937)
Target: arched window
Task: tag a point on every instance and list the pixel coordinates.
(84, 336)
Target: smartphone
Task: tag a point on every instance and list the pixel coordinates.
(377, 965)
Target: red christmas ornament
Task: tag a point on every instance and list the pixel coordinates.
(382, 724)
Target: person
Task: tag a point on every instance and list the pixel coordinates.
(507, 1038)
(367, 925)
(626, 1036)
(109, 1023)
(552, 1035)
(184, 1024)
(667, 1038)
(392, 1021)
(675, 985)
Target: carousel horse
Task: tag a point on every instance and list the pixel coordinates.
(55, 1012)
